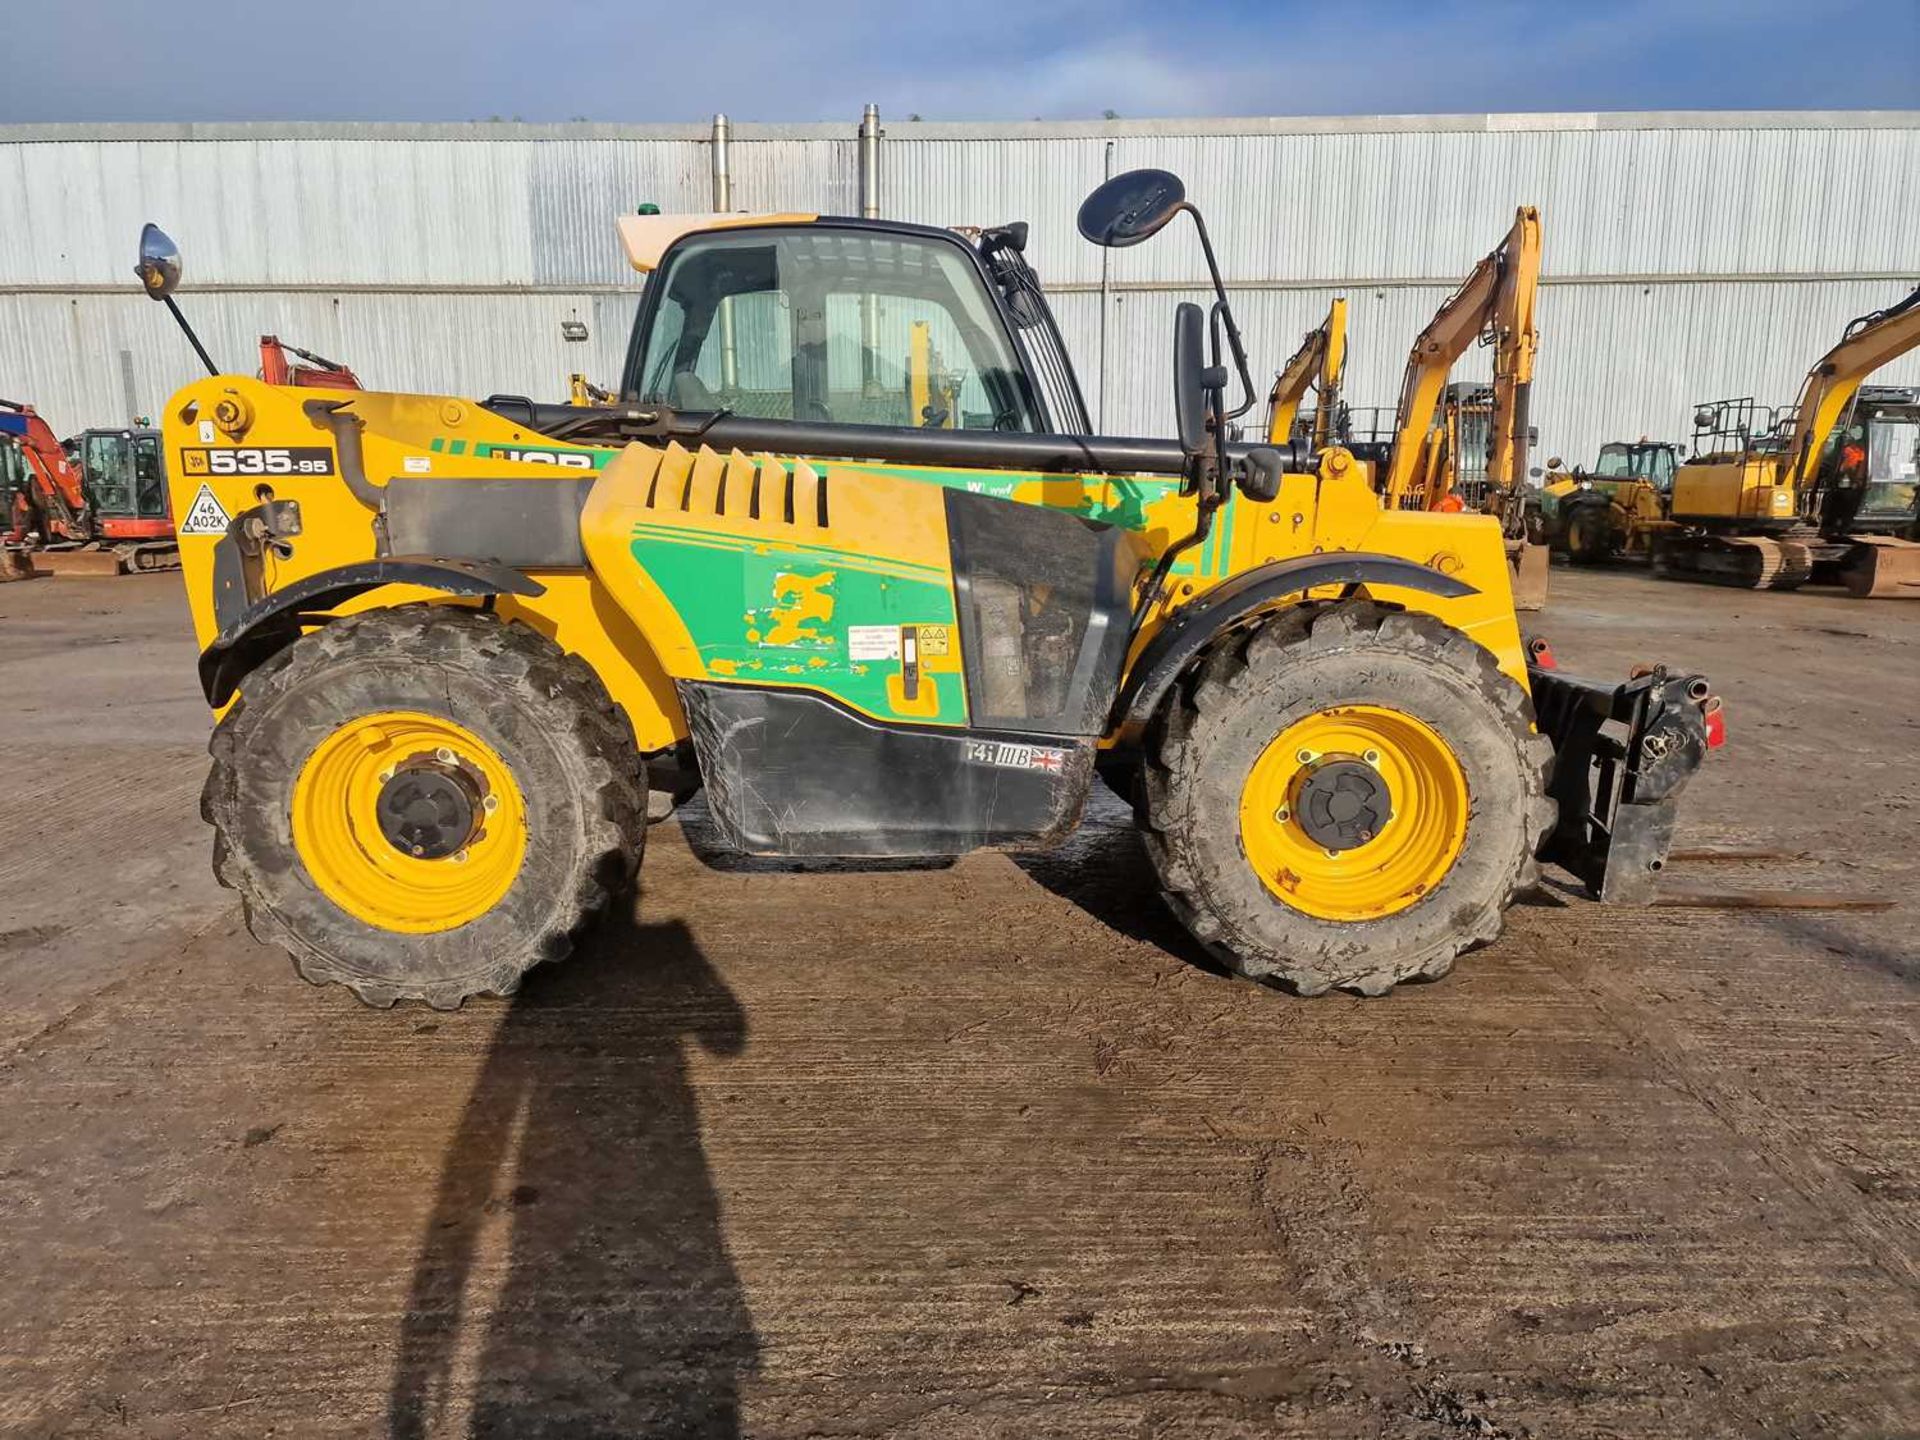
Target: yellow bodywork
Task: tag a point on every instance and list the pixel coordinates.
(887, 532)
(1733, 489)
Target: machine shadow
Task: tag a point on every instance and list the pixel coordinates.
(614, 1309)
(1103, 868)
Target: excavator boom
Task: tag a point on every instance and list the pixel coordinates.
(1871, 341)
(1496, 300)
(1318, 365)
(53, 500)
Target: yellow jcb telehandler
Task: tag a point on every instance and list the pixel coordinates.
(454, 643)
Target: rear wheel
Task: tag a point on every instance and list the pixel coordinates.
(423, 803)
(1347, 797)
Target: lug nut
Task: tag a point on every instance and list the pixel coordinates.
(443, 755)
(1305, 757)
(385, 776)
(459, 857)
(1281, 814)
(1372, 757)
(490, 804)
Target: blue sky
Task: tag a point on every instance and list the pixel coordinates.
(1053, 59)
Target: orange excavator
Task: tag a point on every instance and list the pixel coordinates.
(45, 498)
(96, 506)
(319, 373)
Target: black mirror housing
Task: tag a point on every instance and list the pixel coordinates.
(1131, 207)
(1190, 379)
(1260, 474)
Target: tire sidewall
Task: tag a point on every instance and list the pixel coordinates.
(278, 734)
(1262, 927)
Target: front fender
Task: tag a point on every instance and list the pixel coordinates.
(275, 621)
(1190, 630)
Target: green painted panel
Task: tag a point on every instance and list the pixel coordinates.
(762, 612)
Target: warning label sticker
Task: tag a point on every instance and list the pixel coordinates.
(206, 516)
(935, 639)
(873, 642)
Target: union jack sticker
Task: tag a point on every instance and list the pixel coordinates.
(1016, 757)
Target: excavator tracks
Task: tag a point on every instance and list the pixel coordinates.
(1745, 562)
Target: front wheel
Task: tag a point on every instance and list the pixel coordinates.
(423, 802)
(1589, 535)
(1349, 796)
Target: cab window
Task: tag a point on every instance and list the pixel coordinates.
(839, 326)
(149, 483)
(109, 477)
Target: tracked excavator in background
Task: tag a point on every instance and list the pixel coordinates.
(454, 643)
(1436, 426)
(1822, 491)
(96, 505)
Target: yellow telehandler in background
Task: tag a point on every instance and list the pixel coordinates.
(454, 643)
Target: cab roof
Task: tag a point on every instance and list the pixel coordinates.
(646, 238)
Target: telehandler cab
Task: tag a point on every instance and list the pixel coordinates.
(454, 643)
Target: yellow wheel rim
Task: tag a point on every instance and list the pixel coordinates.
(338, 833)
(1357, 878)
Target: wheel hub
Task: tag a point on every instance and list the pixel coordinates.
(1341, 803)
(429, 811)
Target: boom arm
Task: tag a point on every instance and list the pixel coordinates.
(1497, 300)
(1870, 341)
(53, 482)
(1317, 365)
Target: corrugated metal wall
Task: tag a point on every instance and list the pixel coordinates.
(1688, 256)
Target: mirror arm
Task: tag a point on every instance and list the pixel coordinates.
(193, 339)
(1233, 330)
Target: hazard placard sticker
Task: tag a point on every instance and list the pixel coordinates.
(206, 517)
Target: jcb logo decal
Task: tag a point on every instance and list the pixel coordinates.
(564, 459)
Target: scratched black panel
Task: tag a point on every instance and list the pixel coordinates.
(789, 772)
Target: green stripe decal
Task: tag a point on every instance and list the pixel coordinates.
(764, 612)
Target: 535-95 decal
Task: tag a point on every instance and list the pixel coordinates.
(258, 460)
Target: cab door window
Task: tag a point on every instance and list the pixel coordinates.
(838, 326)
(108, 475)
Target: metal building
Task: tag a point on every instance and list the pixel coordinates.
(1688, 255)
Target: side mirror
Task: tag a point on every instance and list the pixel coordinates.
(1553, 462)
(159, 267)
(1536, 472)
(1132, 207)
(1190, 379)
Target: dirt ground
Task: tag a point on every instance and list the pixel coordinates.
(973, 1150)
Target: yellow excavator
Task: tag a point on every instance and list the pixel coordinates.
(1494, 306)
(1823, 491)
(1318, 365)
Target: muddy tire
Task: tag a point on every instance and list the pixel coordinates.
(1323, 661)
(1588, 541)
(551, 740)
